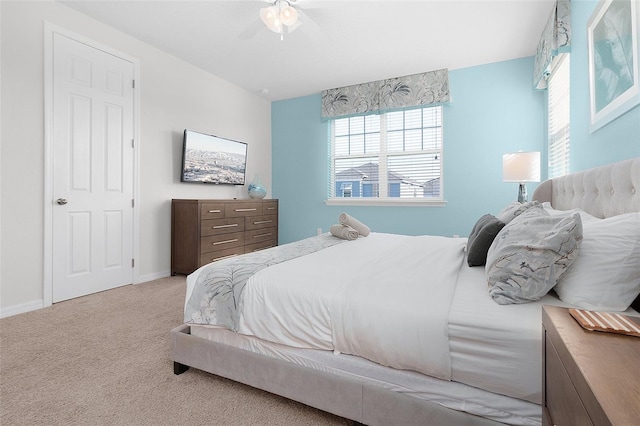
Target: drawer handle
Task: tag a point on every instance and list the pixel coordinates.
(223, 257)
(224, 226)
(214, 211)
(260, 222)
(262, 235)
(224, 242)
(271, 208)
(245, 210)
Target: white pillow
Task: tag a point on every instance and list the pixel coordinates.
(606, 274)
(553, 212)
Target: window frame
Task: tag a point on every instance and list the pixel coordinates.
(382, 157)
(561, 61)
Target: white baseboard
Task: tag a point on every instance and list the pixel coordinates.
(22, 308)
(151, 277)
(39, 304)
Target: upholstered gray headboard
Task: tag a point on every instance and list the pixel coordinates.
(602, 191)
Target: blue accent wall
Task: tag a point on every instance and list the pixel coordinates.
(494, 110)
(619, 139)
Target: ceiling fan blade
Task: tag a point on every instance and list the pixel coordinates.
(310, 26)
(306, 4)
(292, 28)
(252, 30)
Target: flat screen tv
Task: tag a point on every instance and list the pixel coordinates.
(212, 159)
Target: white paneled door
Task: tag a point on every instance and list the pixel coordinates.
(93, 122)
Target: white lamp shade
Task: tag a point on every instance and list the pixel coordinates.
(521, 167)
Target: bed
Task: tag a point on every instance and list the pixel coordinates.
(445, 353)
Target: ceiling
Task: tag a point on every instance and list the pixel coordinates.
(339, 42)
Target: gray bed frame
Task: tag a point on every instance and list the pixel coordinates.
(604, 191)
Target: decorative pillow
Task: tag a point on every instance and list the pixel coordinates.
(480, 239)
(515, 209)
(606, 275)
(530, 254)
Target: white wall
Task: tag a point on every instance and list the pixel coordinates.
(0, 156)
(173, 95)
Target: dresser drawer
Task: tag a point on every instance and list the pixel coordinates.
(561, 398)
(260, 222)
(221, 226)
(270, 207)
(243, 209)
(220, 254)
(261, 235)
(212, 210)
(220, 242)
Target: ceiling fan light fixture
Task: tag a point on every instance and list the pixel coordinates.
(271, 18)
(280, 15)
(289, 15)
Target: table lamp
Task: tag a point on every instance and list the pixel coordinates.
(521, 167)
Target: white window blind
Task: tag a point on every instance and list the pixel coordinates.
(388, 157)
(559, 117)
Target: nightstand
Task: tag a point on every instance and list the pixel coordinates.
(589, 377)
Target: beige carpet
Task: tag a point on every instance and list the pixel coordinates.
(104, 359)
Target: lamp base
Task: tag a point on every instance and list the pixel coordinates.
(522, 193)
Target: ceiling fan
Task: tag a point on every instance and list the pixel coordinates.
(282, 17)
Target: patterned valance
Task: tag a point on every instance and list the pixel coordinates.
(429, 88)
(555, 39)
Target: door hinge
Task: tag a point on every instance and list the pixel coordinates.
(133, 143)
(133, 84)
(133, 263)
(133, 203)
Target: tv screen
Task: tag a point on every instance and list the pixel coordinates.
(212, 159)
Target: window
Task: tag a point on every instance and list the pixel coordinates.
(393, 157)
(559, 114)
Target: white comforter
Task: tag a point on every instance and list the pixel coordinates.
(384, 297)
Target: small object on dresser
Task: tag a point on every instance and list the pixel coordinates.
(256, 189)
(607, 322)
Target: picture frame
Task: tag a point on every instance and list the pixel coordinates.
(612, 37)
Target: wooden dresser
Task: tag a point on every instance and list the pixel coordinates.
(206, 230)
(589, 377)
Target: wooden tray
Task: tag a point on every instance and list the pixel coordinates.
(607, 322)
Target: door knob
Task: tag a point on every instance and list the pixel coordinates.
(61, 201)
